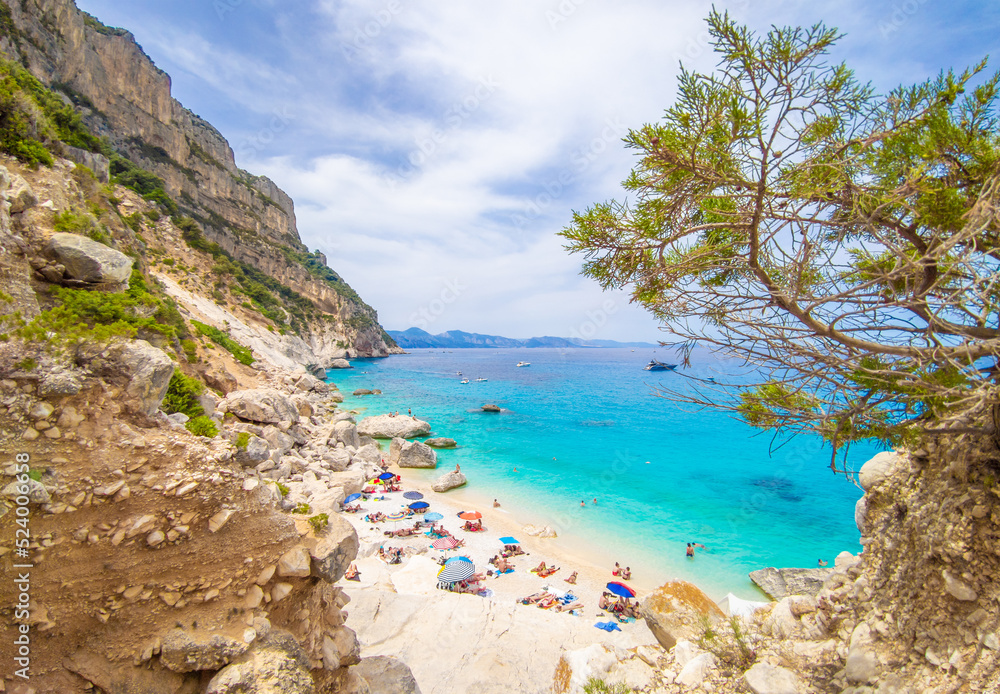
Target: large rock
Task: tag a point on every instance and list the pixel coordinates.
(182, 651)
(876, 470)
(340, 364)
(676, 610)
(33, 489)
(256, 452)
(149, 678)
(148, 369)
(385, 427)
(450, 480)
(59, 382)
(20, 195)
(441, 442)
(779, 583)
(395, 446)
(764, 678)
(264, 405)
(862, 662)
(416, 454)
(345, 432)
(295, 562)
(334, 550)
(275, 665)
(89, 261)
(387, 675)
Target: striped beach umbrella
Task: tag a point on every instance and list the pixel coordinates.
(445, 543)
(397, 516)
(456, 571)
(413, 496)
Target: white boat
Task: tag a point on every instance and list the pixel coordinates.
(464, 380)
(524, 363)
(481, 379)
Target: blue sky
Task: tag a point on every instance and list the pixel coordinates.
(435, 148)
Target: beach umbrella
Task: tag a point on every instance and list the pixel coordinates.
(397, 516)
(419, 504)
(387, 476)
(433, 516)
(456, 571)
(621, 590)
(351, 498)
(445, 543)
(470, 515)
(413, 495)
(462, 558)
(509, 541)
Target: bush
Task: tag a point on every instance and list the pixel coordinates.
(202, 426)
(182, 396)
(303, 508)
(733, 646)
(71, 222)
(190, 348)
(242, 440)
(242, 354)
(319, 522)
(283, 490)
(599, 686)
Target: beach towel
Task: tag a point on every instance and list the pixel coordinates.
(608, 626)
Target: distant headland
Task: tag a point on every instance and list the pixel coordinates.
(415, 338)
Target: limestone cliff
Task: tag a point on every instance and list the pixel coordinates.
(123, 97)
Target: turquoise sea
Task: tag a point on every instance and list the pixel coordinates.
(582, 423)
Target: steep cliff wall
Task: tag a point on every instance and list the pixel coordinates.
(126, 99)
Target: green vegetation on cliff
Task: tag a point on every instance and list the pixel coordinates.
(242, 354)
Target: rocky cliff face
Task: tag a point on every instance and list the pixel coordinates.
(125, 98)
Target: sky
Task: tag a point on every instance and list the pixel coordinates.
(434, 149)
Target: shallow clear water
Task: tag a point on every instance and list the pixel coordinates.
(579, 424)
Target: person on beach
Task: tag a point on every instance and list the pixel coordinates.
(496, 504)
(627, 574)
(457, 468)
(617, 571)
(572, 578)
(690, 551)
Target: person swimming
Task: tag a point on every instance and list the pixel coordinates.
(690, 551)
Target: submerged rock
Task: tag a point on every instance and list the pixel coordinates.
(441, 442)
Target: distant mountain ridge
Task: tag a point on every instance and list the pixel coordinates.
(415, 338)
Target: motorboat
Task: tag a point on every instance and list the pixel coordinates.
(654, 365)
(481, 379)
(464, 380)
(524, 363)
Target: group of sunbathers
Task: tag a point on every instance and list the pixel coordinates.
(501, 564)
(544, 571)
(393, 555)
(511, 551)
(625, 574)
(545, 600)
(476, 527)
(376, 517)
(622, 608)
(352, 509)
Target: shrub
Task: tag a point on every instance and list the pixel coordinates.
(242, 354)
(732, 644)
(303, 508)
(242, 440)
(26, 364)
(283, 490)
(599, 686)
(319, 522)
(71, 222)
(182, 395)
(35, 474)
(190, 348)
(202, 426)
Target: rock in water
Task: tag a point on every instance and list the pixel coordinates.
(340, 364)
(385, 427)
(387, 675)
(441, 442)
(779, 583)
(89, 261)
(448, 481)
(675, 611)
(264, 405)
(416, 454)
(491, 408)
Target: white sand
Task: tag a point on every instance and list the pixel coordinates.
(480, 547)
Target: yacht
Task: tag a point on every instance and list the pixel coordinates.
(654, 365)
(524, 363)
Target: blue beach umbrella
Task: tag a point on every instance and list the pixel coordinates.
(413, 495)
(509, 541)
(418, 505)
(433, 516)
(621, 590)
(351, 498)
(462, 558)
(387, 476)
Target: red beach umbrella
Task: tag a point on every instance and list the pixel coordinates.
(470, 515)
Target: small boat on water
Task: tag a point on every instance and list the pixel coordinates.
(524, 363)
(481, 379)
(464, 380)
(654, 365)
